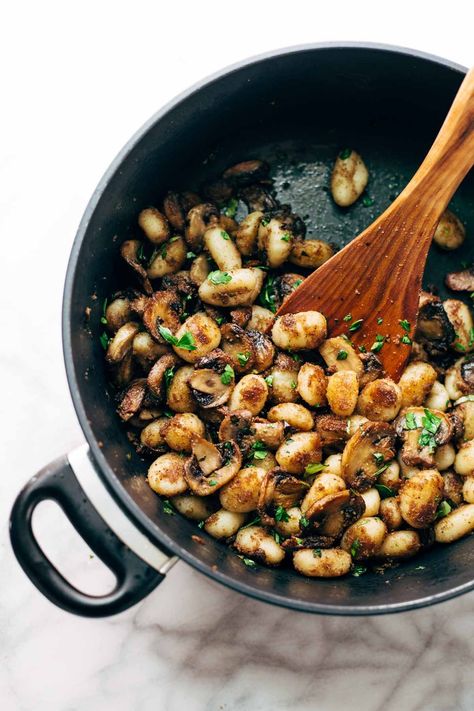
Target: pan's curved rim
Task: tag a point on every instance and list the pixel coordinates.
(104, 470)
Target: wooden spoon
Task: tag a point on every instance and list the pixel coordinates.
(378, 275)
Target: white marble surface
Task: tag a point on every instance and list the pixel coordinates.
(77, 80)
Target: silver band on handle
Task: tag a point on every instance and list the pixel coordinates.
(113, 515)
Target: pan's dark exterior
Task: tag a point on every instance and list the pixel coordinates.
(296, 108)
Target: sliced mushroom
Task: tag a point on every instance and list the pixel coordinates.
(296, 543)
(258, 198)
(238, 345)
(211, 466)
(373, 443)
(241, 316)
(156, 376)
(118, 312)
(335, 512)
(208, 389)
(130, 250)
(270, 434)
(176, 205)
(461, 281)
(372, 369)
(163, 309)
(413, 453)
(237, 426)
(434, 331)
(340, 355)
(332, 429)
(263, 350)
(246, 172)
(146, 350)
(131, 399)
(121, 344)
(278, 489)
(198, 220)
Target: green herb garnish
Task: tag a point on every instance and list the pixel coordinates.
(405, 325)
(269, 380)
(356, 325)
(384, 491)
(286, 237)
(379, 320)
(224, 235)
(410, 421)
(212, 482)
(314, 468)
(104, 340)
(228, 375)
(219, 277)
(367, 201)
(431, 425)
(355, 547)
(186, 342)
(103, 318)
(304, 522)
(443, 509)
(254, 522)
(281, 514)
(358, 570)
(268, 294)
(342, 355)
(293, 384)
(379, 341)
(243, 358)
(230, 209)
(168, 376)
(406, 340)
(347, 317)
(167, 507)
(345, 153)
(258, 450)
(316, 552)
(190, 255)
(248, 561)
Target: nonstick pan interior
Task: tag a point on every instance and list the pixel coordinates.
(296, 110)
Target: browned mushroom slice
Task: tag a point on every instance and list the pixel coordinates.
(198, 220)
(270, 434)
(238, 345)
(295, 543)
(278, 489)
(122, 372)
(286, 285)
(246, 172)
(372, 369)
(237, 426)
(461, 281)
(434, 330)
(335, 512)
(163, 309)
(176, 206)
(258, 198)
(467, 371)
(208, 388)
(219, 191)
(365, 452)
(131, 399)
(130, 251)
(156, 376)
(409, 426)
(211, 466)
(138, 303)
(332, 429)
(121, 344)
(263, 350)
(241, 316)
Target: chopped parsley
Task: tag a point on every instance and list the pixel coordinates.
(219, 277)
(367, 201)
(230, 209)
(167, 507)
(431, 425)
(103, 318)
(104, 340)
(405, 325)
(345, 153)
(359, 570)
(379, 458)
(471, 337)
(384, 491)
(363, 349)
(168, 376)
(186, 342)
(316, 552)
(224, 235)
(219, 320)
(314, 468)
(281, 514)
(286, 237)
(201, 524)
(212, 482)
(410, 421)
(406, 340)
(342, 355)
(258, 450)
(355, 547)
(228, 375)
(248, 561)
(253, 522)
(269, 381)
(265, 221)
(268, 295)
(304, 522)
(443, 509)
(379, 320)
(356, 325)
(379, 341)
(293, 384)
(347, 318)
(190, 255)
(243, 358)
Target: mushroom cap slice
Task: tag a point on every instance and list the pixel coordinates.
(162, 309)
(237, 426)
(235, 342)
(129, 251)
(263, 350)
(344, 507)
(412, 453)
(205, 481)
(208, 389)
(121, 343)
(246, 172)
(295, 543)
(279, 489)
(332, 428)
(155, 379)
(131, 399)
(359, 465)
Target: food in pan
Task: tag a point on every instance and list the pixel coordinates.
(281, 441)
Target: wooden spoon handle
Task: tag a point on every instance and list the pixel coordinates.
(450, 158)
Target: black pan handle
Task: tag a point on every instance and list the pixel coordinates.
(135, 578)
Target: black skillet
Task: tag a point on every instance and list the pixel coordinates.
(295, 108)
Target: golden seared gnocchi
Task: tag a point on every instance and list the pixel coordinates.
(276, 437)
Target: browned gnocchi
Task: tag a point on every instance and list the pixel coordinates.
(275, 437)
